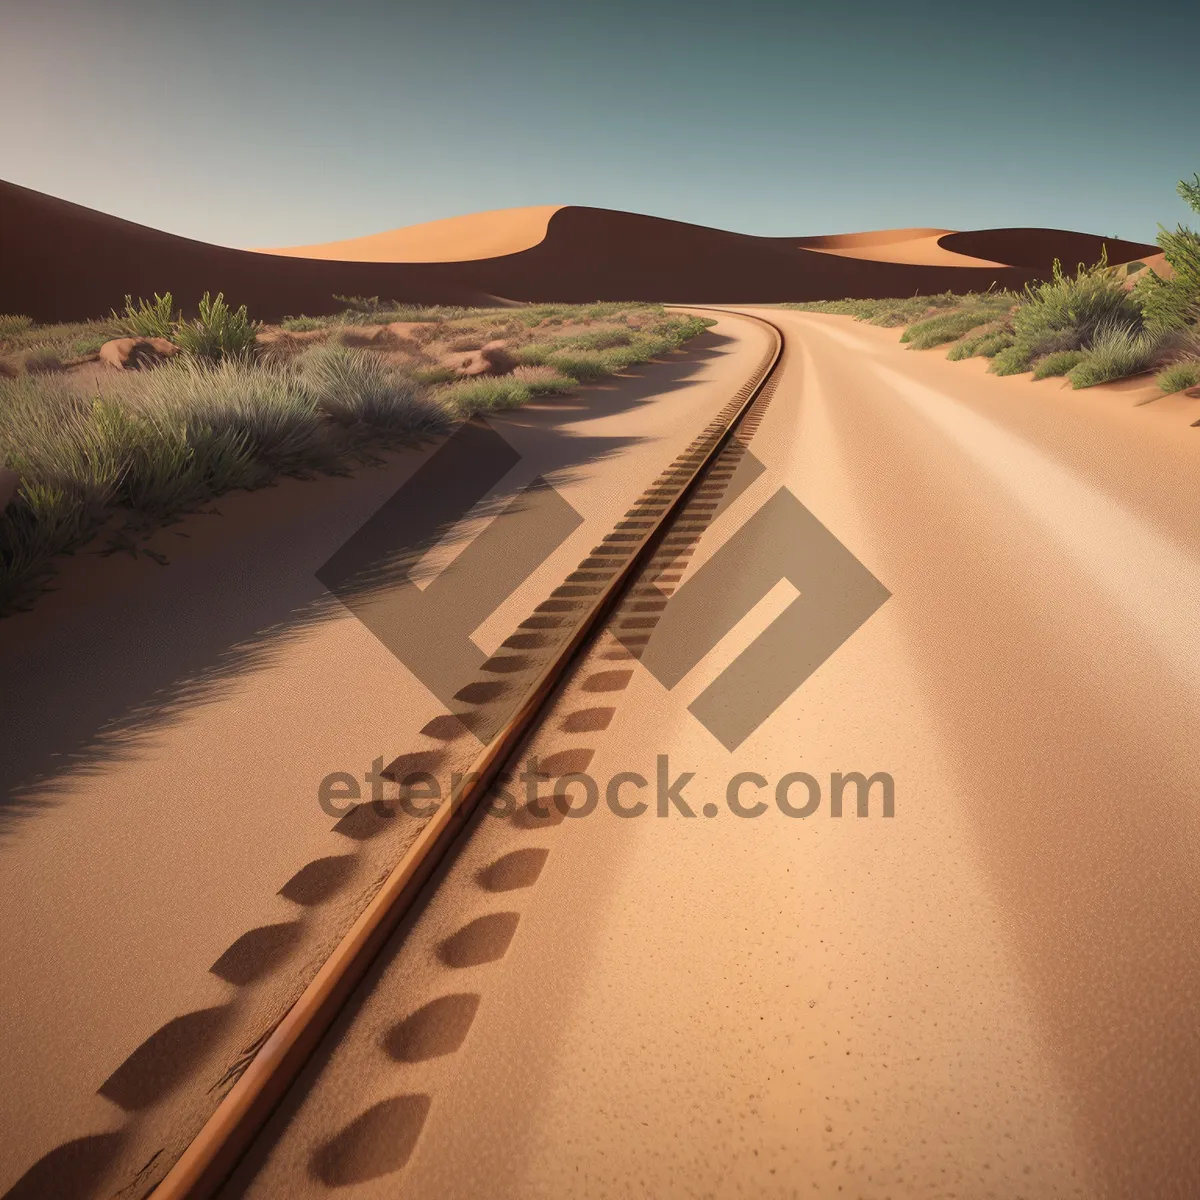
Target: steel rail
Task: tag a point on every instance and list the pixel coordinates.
(220, 1144)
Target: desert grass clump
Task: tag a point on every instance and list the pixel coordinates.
(61, 339)
(1067, 312)
(69, 471)
(587, 366)
(218, 332)
(887, 313)
(484, 393)
(545, 381)
(14, 323)
(982, 345)
(1175, 303)
(1118, 351)
(434, 374)
(88, 345)
(948, 326)
(598, 339)
(356, 388)
(1059, 363)
(156, 443)
(303, 324)
(42, 362)
(279, 421)
(1179, 376)
(148, 318)
(370, 310)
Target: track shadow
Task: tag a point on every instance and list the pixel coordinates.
(435, 1029)
(73, 1169)
(377, 1143)
(319, 880)
(257, 953)
(164, 1059)
(484, 940)
(518, 869)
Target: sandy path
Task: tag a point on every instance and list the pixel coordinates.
(166, 729)
(992, 993)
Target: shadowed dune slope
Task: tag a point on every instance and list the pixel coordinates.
(1036, 249)
(62, 262)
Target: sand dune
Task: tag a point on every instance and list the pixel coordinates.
(455, 239)
(920, 247)
(66, 262)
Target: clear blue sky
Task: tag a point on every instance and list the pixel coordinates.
(288, 121)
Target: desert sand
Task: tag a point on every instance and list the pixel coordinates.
(174, 822)
(919, 247)
(455, 239)
(858, 1006)
(66, 262)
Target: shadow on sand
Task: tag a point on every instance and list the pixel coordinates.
(121, 649)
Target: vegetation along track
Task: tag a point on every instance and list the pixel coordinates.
(631, 571)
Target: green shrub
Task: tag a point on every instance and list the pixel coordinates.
(148, 318)
(946, 327)
(303, 324)
(218, 331)
(431, 375)
(1118, 351)
(357, 387)
(1012, 360)
(1173, 303)
(84, 347)
(1180, 375)
(68, 476)
(1066, 312)
(370, 310)
(545, 381)
(1059, 363)
(483, 394)
(277, 417)
(613, 308)
(598, 339)
(14, 323)
(985, 345)
(886, 313)
(585, 365)
(535, 354)
(169, 460)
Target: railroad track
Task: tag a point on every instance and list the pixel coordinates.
(638, 561)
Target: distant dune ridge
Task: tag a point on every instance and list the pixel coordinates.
(60, 261)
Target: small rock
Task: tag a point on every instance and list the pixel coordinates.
(490, 359)
(132, 353)
(412, 331)
(496, 353)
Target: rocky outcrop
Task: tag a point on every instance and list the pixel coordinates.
(133, 353)
(493, 358)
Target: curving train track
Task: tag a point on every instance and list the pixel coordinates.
(622, 583)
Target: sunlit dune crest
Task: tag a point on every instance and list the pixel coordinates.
(918, 247)
(455, 239)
